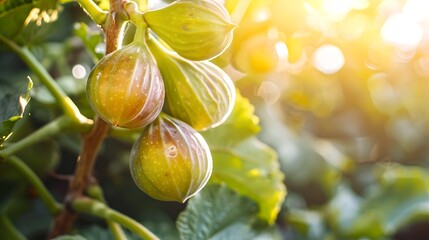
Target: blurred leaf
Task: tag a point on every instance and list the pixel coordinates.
(96, 232)
(7, 230)
(344, 198)
(244, 163)
(251, 168)
(27, 17)
(307, 224)
(70, 237)
(217, 213)
(34, 209)
(241, 124)
(301, 158)
(163, 226)
(400, 199)
(93, 40)
(13, 107)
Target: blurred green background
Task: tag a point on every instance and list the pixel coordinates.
(341, 88)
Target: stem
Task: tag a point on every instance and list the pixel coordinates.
(114, 24)
(143, 5)
(86, 160)
(94, 11)
(96, 192)
(51, 129)
(83, 175)
(8, 231)
(136, 17)
(112, 27)
(117, 231)
(66, 103)
(97, 208)
(53, 206)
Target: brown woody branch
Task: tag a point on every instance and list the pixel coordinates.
(83, 176)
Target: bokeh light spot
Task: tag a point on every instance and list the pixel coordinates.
(79, 71)
(328, 59)
(402, 31)
(269, 91)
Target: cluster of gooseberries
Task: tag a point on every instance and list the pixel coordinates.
(163, 83)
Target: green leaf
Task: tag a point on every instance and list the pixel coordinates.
(70, 237)
(93, 40)
(401, 198)
(240, 125)
(344, 198)
(303, 159)
(13, 106)
(307, 224)
(245, 164)
(27, 17)
(251, 168)
(96, 232)
(217, 213)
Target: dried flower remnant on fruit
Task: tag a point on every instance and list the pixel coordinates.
(125, 88)
(175, 165)
(195, 29)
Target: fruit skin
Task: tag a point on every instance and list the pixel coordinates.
(170, 161)
(125, 88)
(198, 93)
(197, 30)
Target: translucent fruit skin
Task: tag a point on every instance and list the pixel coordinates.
(125, 88)
(198, 93)
(170, 161)
(196, 29)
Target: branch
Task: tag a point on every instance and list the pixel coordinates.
(114, 25)
(67, 104)
(96, 192)
(59, 125)
(113, 28)
(83, 175)
(53, 206)
(97, 208)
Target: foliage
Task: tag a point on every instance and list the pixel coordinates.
(331, 102)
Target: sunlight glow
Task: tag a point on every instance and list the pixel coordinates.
(337, 8)
(281, 50)
(269, 92)
(261, 15)
(422, 66)
(418, 10)
(402, 31)
(328, 59)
